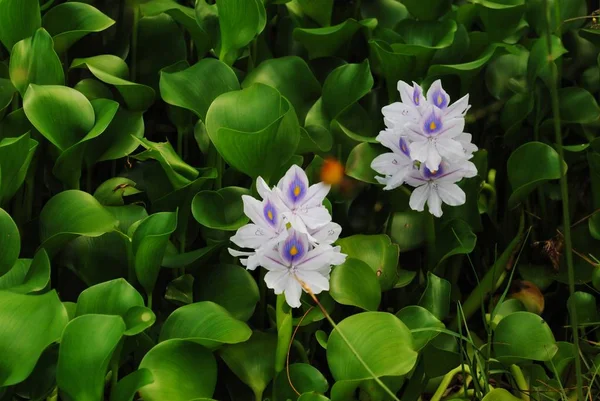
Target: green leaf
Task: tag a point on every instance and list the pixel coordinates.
(539, 56)
(524, 336)
(86, 348)
(253, 361)
(284, 322)
(196, 87)
(61, 114)
(427, 10)
(30, 323)
(255, 130)
(456, 238)
(354, 283)
(331, 40)
(378, 252)
(318, 10)
(112, 144)
(112, 191)
(240, 22)
(506, 73)
(19, 19)
(420, 37)
(149, 242)
(230, 286)
(292, 77)
(114, 71)
(16, 155)
(127, 387)
(407, 229)
(10, 242)
(578, 106)
(500, 394)
(304, 377)
(358, 164)
(383, 342)
(71, 214)
(394, 64)
(205, 323)
(345, 86)
(436, 297)
(92, 89)
(175, 362)
(34, 61)
(501, 18)
(585, 305)
(418, 319)
(312, 396)
(69, 22)
(530, 166)
(27, 275)
(222, 209)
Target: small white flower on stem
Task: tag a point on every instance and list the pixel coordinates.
(266, 230)
(434, 138)
(398, 114)
(437, 96)
(295, 261)
(300, 204)
(396, 165)
(434, 187)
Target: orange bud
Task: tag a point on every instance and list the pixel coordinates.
(529, 295)
(332, 172)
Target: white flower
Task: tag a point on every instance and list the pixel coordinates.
(435, 187)
(469, 148)
(327, 234)
(294, 261)
(398, 114)
(437, 96)
(301, 205)
(265, 231)
(394, 166)
(434, 138)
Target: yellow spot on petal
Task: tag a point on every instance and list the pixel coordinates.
(294, 251)
(432, 126)
(297, 190)
(270, 215)
(439, 99)
(146, 316)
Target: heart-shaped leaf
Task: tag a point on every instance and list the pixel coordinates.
(355, 283)
(127, 387)
(28, 275)
(304, 377)
(19, 19)
(419, 320)
(222, 209)
(240, 21)
(345, 86)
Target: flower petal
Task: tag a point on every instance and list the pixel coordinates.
(327, 234)
(317, 258)
(451, 194)
(314, 217)
(419, 150)
(314, 280)
(251, 236)
(293, 186)
(433, 157)
(450, 149)
(315, 194)
(293, 292)
(271, 260)
(435, 203)
(277, 280)
(419, 197)
(452, 127)
(458, 108)
(263, 189)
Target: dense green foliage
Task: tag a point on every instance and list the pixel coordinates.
(131, 129)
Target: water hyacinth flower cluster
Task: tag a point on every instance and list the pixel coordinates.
(291, 235)
(430, 151)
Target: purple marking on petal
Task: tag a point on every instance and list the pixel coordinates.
(432, 175)
(440, 99)
(297, 190)
(416, 96)
(432, 125)
(403, 145)
(271, 214)
(293, 249)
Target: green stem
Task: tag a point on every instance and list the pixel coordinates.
(258, 394)
(564, 190)
(522, 385)
(134, 42)
(149, 300)
(439, 393)
(430, 237)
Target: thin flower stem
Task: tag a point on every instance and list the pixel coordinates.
(345, 339)
(287, 359)
(564, 190)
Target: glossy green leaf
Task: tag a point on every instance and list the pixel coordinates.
(149, 242)
(318, 10)
(501, 18)
(394, 64)
(112, 192)
(71, 214)
(292, 77)
(524, 336)
(328, 41)
(407, 229)
(127, 387)
(69, 22)
(230, 286)
(16, 155)
(436, 297)
(505, 73)
(253, 361)
(305, 378)
(346, 85)
(19, 19)
(42, 381)
(7, 91)
(92, 89)
(427, 10)
(419, 320)
(420, 37)
(240, 21)
(530, 166)
(30, 324)
(28, 275)
(196, 87)
(255, 130)
(222, 209)
(358, 165)
(577, 105)
(86, 347)
(500, 394)
(114, 71)
(112, 144)
(34, 61)
(206, 323)
(175, 362)
(354, 283)
(378, 252)
(456, 238)
(384, 343)
(312, 396)
(63, 115)
(539, 56)
(585, 306)
(10, 242)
